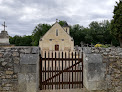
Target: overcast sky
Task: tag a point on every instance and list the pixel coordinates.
(22, 16)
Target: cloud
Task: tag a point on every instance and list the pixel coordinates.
(22, 16)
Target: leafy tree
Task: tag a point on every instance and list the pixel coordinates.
(116, 23)
(11, 40)
(18, 40)
(106, 32)
(76, 31)
(62, 22)
(96, 32)
(26, 41)
(100, 32)
(38, 32)
(21, 41)
(88, 39)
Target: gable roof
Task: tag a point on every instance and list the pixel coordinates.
(52, 27)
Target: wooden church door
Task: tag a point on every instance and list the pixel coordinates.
(56, 47)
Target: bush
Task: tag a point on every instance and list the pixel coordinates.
(98, 45)
(101, 45)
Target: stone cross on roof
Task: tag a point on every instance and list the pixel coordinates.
(4, 25)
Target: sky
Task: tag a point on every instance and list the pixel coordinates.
(21, 16)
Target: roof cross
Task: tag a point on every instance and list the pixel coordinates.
(4, 25)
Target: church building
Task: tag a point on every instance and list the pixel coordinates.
(57, 38)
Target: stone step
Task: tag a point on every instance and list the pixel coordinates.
(65, 90)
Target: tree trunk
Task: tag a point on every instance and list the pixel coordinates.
(120, 41)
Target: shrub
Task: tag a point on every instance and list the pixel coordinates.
(101, 45)
(98, 45)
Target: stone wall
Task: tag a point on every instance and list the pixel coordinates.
(19, 69)
(105, 75)
(113, 76)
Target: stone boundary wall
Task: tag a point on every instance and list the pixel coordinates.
(18, 69)
(112, 58)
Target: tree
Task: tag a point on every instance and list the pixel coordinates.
(38, 32)
(116, 23)
(62, 22)
(76, 31)
(26, 41)
(21, 40)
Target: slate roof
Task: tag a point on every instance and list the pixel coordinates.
(65, 25)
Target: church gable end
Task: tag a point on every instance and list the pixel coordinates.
(56, 39)
(56, 31)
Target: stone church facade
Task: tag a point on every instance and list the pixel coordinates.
(57, 38)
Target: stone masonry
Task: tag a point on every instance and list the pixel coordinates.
(18, 69)
(113, 76)
(112, 61)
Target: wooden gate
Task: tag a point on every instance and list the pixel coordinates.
(61, 70)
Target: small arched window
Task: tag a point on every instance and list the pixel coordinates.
(56, 32)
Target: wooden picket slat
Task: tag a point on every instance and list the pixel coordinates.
(62, 70)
